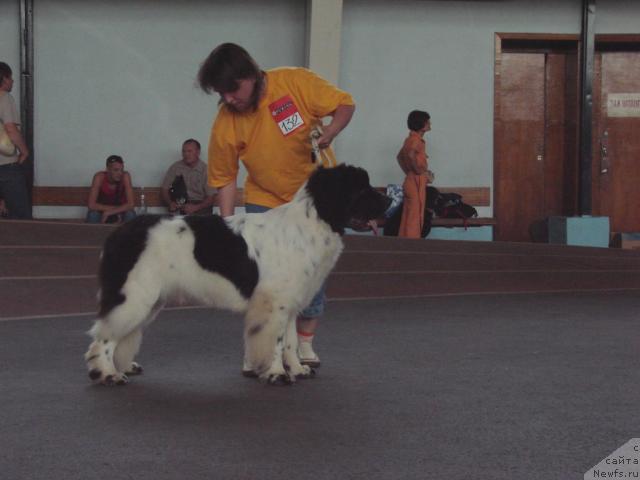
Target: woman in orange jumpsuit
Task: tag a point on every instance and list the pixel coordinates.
(413, 161)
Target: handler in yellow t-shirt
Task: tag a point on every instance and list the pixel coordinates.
(264, 120)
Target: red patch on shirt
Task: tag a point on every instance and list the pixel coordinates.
(286, 115)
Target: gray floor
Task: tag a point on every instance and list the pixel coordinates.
(487, 387)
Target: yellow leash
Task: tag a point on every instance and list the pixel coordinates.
(324, 156)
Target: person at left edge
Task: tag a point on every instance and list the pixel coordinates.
(13, 182)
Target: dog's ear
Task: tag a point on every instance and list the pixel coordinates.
(333, 191)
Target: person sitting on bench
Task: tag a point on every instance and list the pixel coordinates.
(111, 195)
(189, 195)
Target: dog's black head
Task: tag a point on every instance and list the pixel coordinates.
(343, 197)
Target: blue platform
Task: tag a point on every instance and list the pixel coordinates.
(584, 231)
(482, 233)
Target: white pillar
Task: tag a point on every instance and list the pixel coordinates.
(324, 25)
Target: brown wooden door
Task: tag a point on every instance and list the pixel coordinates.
(519, 146)
(535, 140)
(616, 165)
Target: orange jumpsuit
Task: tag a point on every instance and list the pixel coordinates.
(412, 158)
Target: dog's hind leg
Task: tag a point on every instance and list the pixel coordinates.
(126, 350)
(99, 359)
(264, 337)
(118, 325)
(129, 346)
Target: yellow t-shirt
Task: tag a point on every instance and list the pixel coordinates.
(273, 142)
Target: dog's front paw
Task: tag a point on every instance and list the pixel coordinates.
(277, 376)
(279, 379)
(135, 369)
(108, 380)
(301, 371)
(308, 372)
(117, 379)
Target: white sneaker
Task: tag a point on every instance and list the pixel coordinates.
(307, 355)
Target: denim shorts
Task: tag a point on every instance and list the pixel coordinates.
(316, 307)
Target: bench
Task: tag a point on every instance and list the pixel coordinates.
(79, 196)
(457, 228)
(75, 199)
(442, 228)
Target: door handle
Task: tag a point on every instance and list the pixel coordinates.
(604, 154)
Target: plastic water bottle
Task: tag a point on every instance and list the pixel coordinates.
(143, 205)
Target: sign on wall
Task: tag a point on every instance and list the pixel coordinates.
(623, 105)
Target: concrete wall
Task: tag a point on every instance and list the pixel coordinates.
(118, 77)
(436, 56)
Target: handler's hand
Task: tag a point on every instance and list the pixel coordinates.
(327, 137)
(23, 156)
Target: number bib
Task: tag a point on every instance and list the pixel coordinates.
(286, 115)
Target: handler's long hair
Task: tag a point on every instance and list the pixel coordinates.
(225, 66)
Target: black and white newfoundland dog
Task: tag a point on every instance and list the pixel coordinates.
(266, 265)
